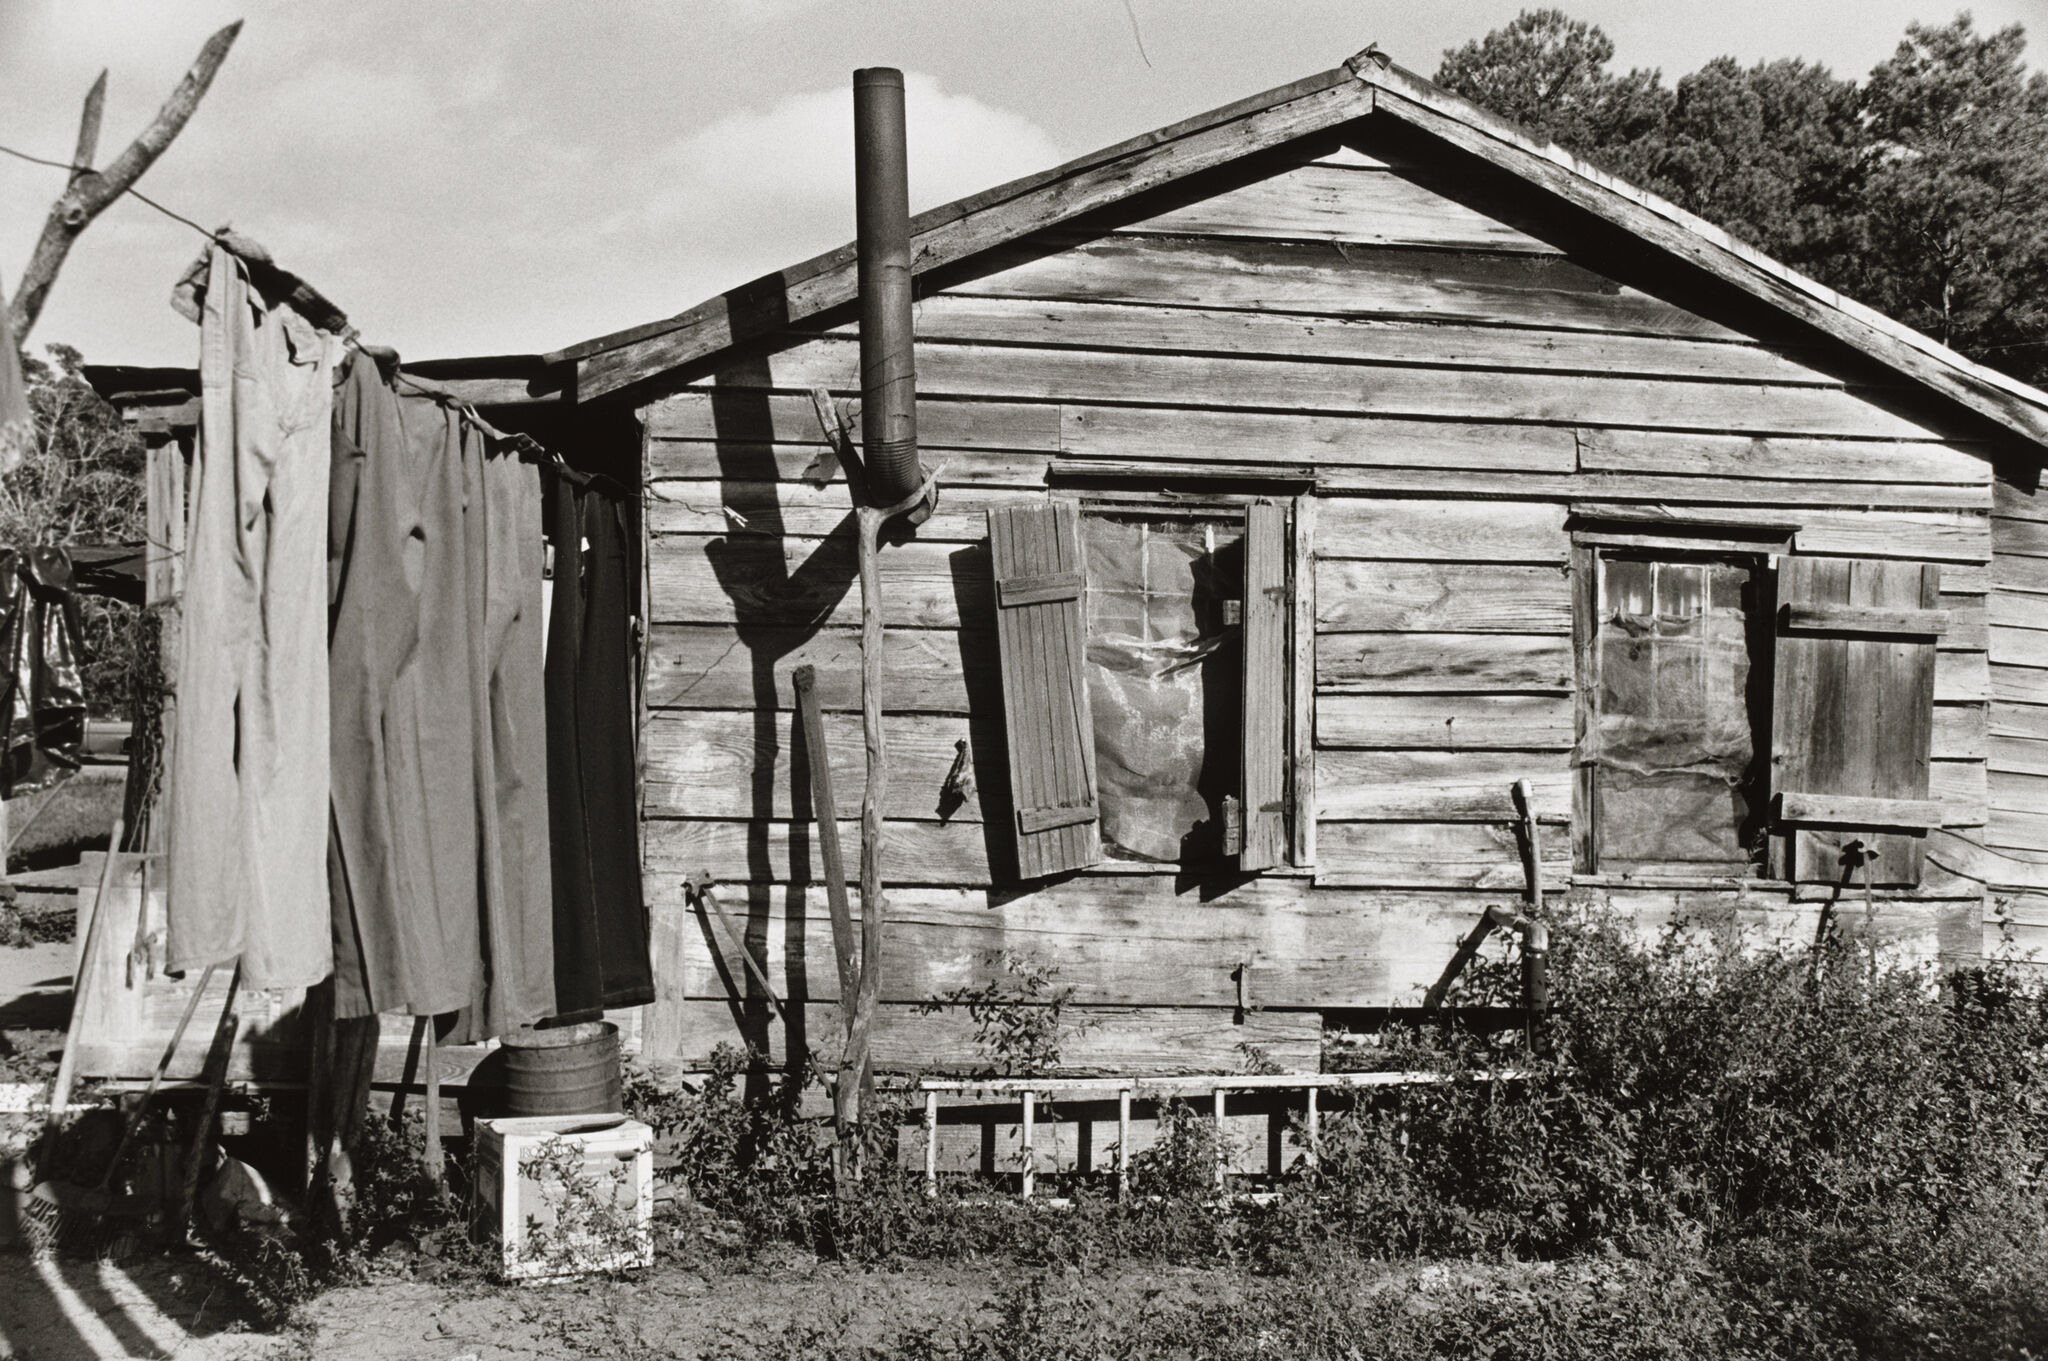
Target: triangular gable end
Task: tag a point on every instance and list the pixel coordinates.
(1254, 128)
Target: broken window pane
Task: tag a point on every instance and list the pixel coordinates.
(1163, 642)
(1671, 743)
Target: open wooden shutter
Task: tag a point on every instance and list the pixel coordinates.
(1853, 715)
(1264, 792)
(1039, 579)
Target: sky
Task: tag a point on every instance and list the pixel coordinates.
(469, 178)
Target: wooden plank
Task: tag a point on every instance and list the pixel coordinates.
(741, 417)
(718, 666)
(1108, 1040)
(2012, 792)
(1178, 433)
(711, 460)
(1852, 721)
(762, 851)
(1445, 722)
(2013, 610)
(2008, 830)
(1925, 536)
(1125, 940)
(1831, 618)
(1011, 373)
(2018, 684)
(1454, 786)
(960, 230)
(1961, 678)
(2019, 646)
(1841, 810)
(1628, 487)
(2027, 537)
(1441, 598)
(1476, 855)
(1959, 732)
(1968, 627)
(1046, 723)
(711, 764)
(2017, 755)
(1443, 530)
(1797, 460)
(775, 508)
(1280, 276)
(1324, 202)
(757, 582)
(1361, 663)
(1302, 678)
(2029, 721)
(1183, 329)
(2017, 503)
(1263, 728)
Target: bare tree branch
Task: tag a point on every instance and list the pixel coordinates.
(89, 127)
(89, 192)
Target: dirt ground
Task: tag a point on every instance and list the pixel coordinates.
(172, 1307)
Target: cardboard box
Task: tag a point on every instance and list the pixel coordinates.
(561, 1195)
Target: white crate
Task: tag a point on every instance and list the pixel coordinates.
(560, 1195)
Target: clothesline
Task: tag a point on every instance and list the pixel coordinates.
(350, 337)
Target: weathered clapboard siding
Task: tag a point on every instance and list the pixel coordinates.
(753, 580)
(1463, 394)
(1340, 203)
(1132, 941)
(1324, 278)
(1012, 373)
(1446, 722)
(1183, 329)
(2016, 828)
(1122, 1040)
(745, 765)
(1360, 663)
(716, 666)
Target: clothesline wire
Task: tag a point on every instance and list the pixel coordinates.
(136, 193)
(349, 337)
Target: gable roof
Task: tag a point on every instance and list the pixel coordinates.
(1367, 83)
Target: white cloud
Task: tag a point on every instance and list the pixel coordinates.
(757, 190)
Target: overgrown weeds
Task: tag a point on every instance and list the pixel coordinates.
(1837, 1155)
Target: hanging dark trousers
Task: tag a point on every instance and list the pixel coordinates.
(601, 934)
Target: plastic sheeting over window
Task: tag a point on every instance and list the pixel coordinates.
(1163, 643)
(1670, 740)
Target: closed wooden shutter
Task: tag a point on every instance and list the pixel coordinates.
(1039, 579)
(1266, 607)
(1853, 715)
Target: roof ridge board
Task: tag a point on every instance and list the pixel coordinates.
(940, 216)
(1401, 83)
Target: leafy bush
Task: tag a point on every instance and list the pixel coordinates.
(1824, 1152)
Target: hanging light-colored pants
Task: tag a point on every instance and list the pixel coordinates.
(246, 787)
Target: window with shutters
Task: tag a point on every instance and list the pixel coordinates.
(1767, 714)
(1147, 664)
(1673, 770)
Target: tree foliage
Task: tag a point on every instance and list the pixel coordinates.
(1922, 192)
(81, 483)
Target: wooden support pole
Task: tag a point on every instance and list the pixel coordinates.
(931, 1143)
(845, 949)
(855, 1072)
(411, 1071)
(1312, 1129)
(1123, 1144)
(432, 1156)
(1222, 1145)
(1030, 1137)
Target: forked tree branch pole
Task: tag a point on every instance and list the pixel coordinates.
(89, 192)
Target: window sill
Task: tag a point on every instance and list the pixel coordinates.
(1694, 881)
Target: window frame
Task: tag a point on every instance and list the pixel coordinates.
(1755, 547)
(1220, 492)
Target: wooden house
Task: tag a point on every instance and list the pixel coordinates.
(1312, 471)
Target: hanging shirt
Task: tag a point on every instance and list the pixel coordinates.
(247, 773)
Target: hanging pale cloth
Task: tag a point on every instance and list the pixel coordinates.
(246, 784)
